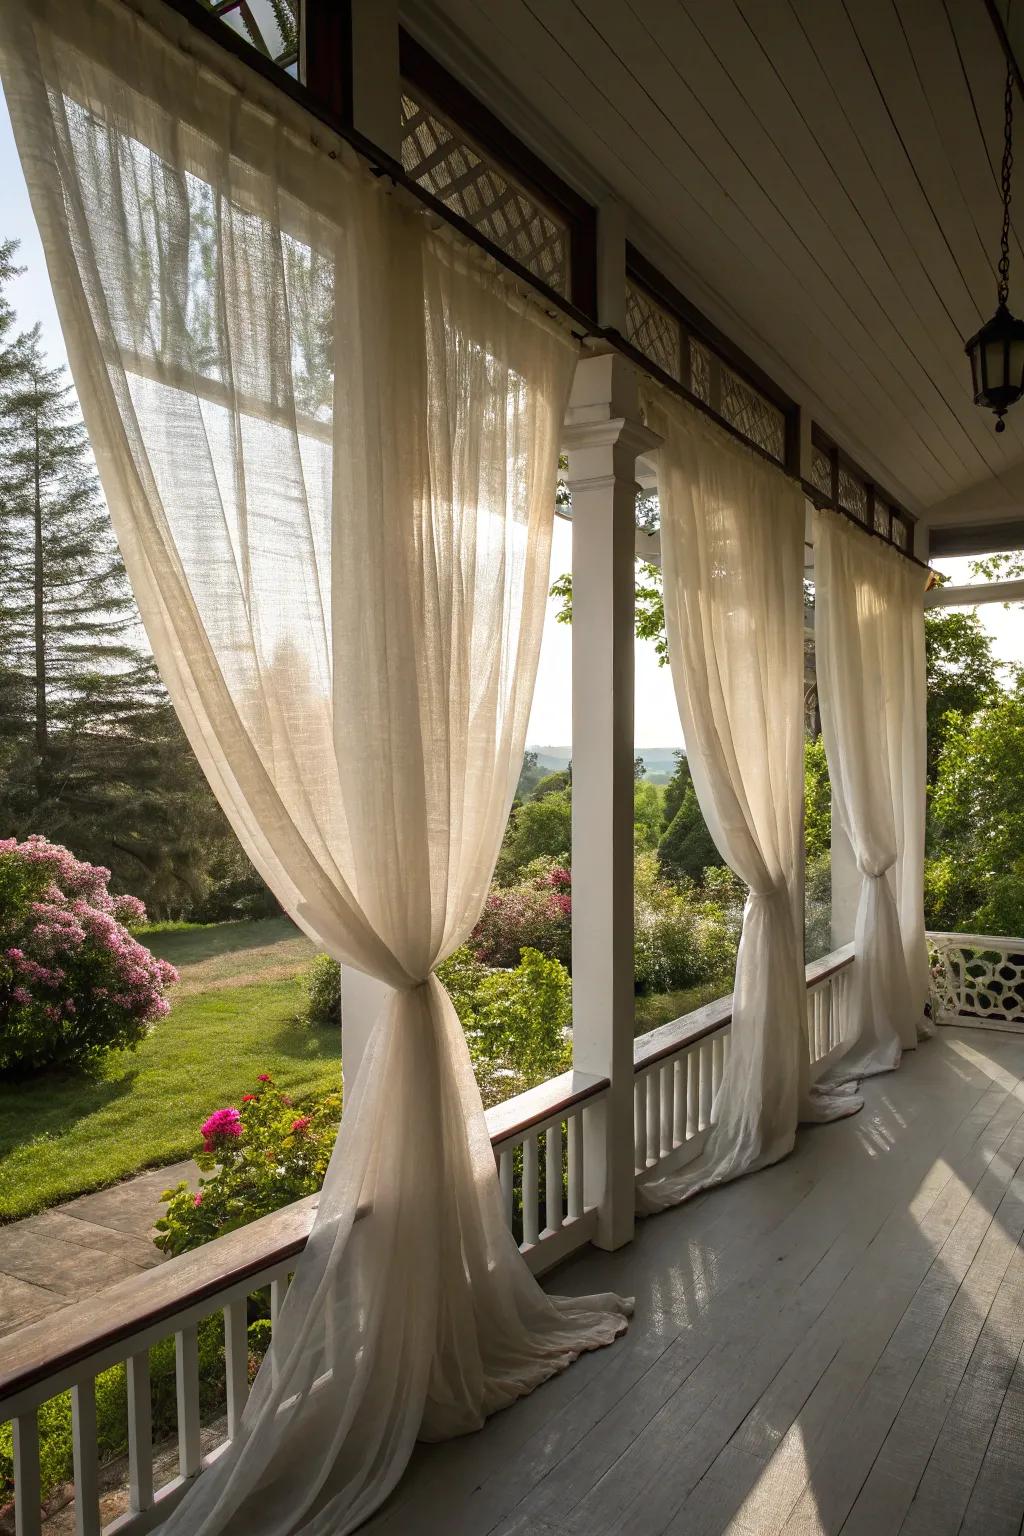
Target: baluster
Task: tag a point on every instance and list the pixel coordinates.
(236, 1362)
(27, 1496)
(85, 1455)
(692, 1060)
(717, 1066)
(679, 1101)
(653, 1115)
(506, 1169)
(140, 1434)
(668, 1093)
(640, 1123)
(531, 1190)
(186, 1363)
(278, 1292)
(575, 1167)
(813, 1043)
(553, 1175)
(706, 1092)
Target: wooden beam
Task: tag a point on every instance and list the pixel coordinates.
(973, 596)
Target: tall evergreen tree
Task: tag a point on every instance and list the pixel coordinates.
(91, 752)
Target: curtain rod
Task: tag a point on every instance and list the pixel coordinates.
(382, 164)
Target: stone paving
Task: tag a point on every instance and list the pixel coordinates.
(53, 1259)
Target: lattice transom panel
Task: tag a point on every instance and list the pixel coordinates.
(881, 518)
(899, 533)
(978, 977)
(750, 413)
(700, 371)
(653, 331)
(821, 471)
(853, 494)
(437, 155)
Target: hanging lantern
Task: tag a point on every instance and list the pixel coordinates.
(997, 351)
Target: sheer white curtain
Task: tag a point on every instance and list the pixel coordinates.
(869, 642)
(732, 544)
(329, 444)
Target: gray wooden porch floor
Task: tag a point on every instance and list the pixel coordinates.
(831, 1345)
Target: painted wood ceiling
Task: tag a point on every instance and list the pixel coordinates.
(820, 176)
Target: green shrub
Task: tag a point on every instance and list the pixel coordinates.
(518, 1024)
(681, 935)
(56, 1461)
(687, 849)
(818, 907)
(74, 983)
(535, 913)
(322, 986)
(260, 1156)
(536, 829)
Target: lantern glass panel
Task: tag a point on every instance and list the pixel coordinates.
(994, 364)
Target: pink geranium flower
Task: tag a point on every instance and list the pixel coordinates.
(300, 1125)
(223, 1126)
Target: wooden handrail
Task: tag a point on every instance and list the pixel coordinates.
(33, 1354)
(977, 940)
(669, 1038)
(53, 1344)
(41, 1351)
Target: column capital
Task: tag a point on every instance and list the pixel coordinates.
(603, 434)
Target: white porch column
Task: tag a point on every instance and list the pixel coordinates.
(362, 998)
(603, 436)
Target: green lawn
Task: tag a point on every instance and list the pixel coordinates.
(233, 1016)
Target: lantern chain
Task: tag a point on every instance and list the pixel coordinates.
(1003, 288)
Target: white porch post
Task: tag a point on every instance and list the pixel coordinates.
(603, 436)
(362, 998)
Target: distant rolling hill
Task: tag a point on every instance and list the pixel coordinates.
(659, 762)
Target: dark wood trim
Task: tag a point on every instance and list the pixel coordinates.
(643, 362)
(33, 1354)
(467, 112)
(837, 456)
(507, 1121)
(648, 276)
(325, 55)
(670, 1038)
(582, 322)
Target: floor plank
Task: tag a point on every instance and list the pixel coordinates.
(831, 1345)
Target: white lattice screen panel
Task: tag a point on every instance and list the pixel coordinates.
(438, 156)
(977, 977)
(654, 331)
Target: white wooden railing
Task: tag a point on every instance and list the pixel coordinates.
(679, 1067)
(540, 1147)
(977, 979)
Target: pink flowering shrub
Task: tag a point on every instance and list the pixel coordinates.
(73, 981)
(259, 1157)
(534, 914)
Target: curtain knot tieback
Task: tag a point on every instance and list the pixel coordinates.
(781, 889)
(878, 874)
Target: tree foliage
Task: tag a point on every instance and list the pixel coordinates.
(91, 752)
(961, 672)
(977, 811)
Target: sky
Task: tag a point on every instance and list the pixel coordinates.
(656, 715)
